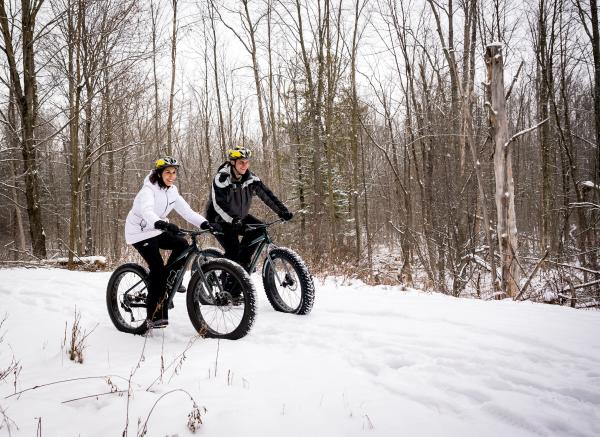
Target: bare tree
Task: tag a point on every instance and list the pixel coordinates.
(26, 95)
(173, 73)
(154, 12)
(315, 84)
(249, 43)
(212, 12)
(589, 20)
(354, 126)
(273, 117)
(11, 130)
(73, 38)
(505, 190)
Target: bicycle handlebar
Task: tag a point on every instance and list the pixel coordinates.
(195, 233)
(263, 225)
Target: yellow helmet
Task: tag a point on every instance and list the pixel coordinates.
(239, 152)
(164, 162)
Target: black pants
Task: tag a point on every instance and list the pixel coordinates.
(237, 250)
(150, 251)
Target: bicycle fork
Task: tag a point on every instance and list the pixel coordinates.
(287, 280)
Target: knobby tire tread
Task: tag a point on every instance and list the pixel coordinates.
(112, 298)
(307, 287)
(248, 291)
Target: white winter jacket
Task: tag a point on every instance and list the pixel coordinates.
(154, 203)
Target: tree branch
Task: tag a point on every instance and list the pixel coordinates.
(525, 131)
(531, 275)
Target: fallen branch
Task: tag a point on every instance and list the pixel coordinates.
(578, 286)
(532, 274)
(591, 304)
(583, 269)
(567, 297)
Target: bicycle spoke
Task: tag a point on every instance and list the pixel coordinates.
(213, 305)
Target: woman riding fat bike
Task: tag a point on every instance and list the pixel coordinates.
(147, 228)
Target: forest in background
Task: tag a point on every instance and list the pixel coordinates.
(372, 119)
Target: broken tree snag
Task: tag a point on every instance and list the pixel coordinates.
(505, 199)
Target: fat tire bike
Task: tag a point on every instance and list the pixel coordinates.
(287, 282)
(227, 316)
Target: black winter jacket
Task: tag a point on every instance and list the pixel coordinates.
(232, 198)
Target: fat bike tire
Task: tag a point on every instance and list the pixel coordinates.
(214, 308)
(288, 283)
(126, 295)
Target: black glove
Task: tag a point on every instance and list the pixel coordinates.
(236, 224)
(165, 226)
(206, 226)
(212, 227)
(286, 215)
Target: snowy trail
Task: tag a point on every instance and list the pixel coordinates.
(367, 361)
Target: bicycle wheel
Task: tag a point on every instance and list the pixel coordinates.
(288, 284)
(126, 298)
(221, 302)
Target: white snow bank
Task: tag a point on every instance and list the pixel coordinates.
(372, 361)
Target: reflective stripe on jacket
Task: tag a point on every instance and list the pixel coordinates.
(232, 198)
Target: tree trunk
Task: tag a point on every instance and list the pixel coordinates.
(314, 93)
(28, 111)
(206, 121)
(505, 192)
(596, 53)
(74, 76)
(365, 191)
(255, 70)
(13, 141)
(299, 153)
(544, 70)
(87, 175)
(272, 114)
(211, 11)
(354, 143)
(157, 137)
(173, 72)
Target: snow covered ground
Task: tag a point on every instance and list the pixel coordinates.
(368, 361)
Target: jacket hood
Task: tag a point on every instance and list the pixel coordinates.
(147, 181)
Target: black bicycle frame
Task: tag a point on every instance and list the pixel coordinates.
(263, 241)
(191, 254)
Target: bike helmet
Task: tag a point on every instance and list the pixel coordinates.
(165, 161)
(239, 152)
